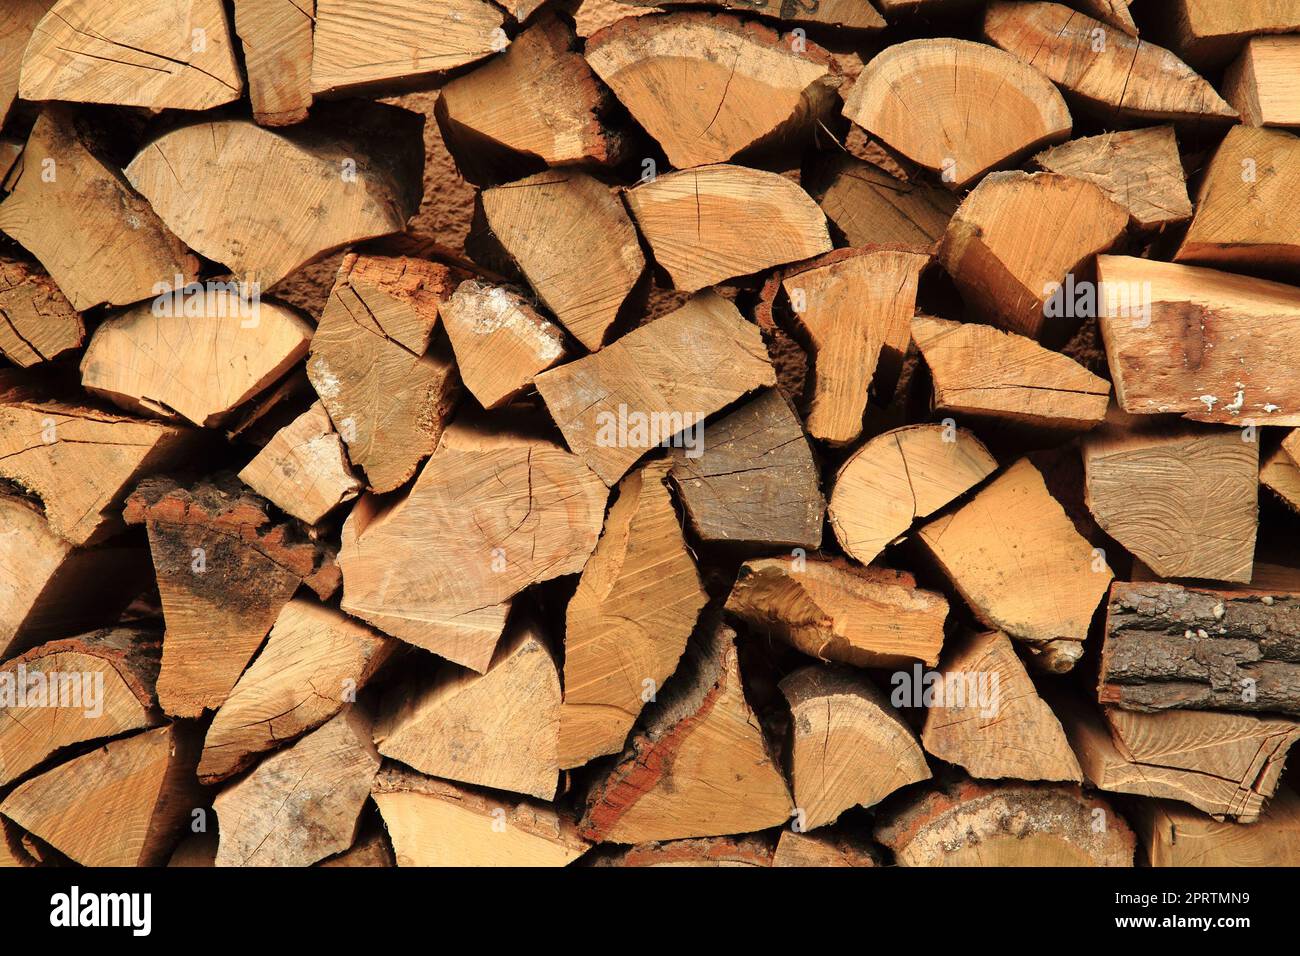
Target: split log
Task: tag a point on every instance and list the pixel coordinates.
(973, 824)
(387, 392)
(173, 54)
(1114, 12)
(699, 765)
(224, 572)
(501, 342)
(654, 382)
(1016, 558)
(74, 690)
(718, 222)
(302, 803)
(1017, 237)
(1209, 33)
(356, 172)
(842, 14)
(361, 43)
(1138, 169)
(98, 240)
(848, 747)
(1280, 475)
(750, 90)
(869, 205)
(277, 41)
(1114, 74)
(304, 469)
(750, 850)
(1004, 378)
(158, 361)
(535, 106)
(439, 566)
(21, 19)
(1170, 647)
(82, 462)
(629, 619)
(1173, 835)
(1260, 83)
(434, 823)
(1197, 510)
(827, 609)
(37, 322)
(1173, 344)
(820, 850)
(1244, 211)
(901, 476)
(571, 238)
(753, 481)
(123, 804)
(917, 97)
(314, 663)
(498, 729)
(988, 718)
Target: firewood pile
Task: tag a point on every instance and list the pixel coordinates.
(830, 433)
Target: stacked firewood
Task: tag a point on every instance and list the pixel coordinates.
(836, 439)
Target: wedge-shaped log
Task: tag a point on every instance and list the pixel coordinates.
(1259, 84)
(823, 849)
(1174, 835)
(303, 470)
(1209, 33)
(277, 42)
(22, 16)
(37, 322)
(869, 205)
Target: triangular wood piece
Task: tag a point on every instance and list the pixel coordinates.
(1280, 475)
(277, 42)
(822, 849)
(22, 16)
(869, 205)
(1176, 835)
(37, 322)
(304, 469)
(1210, 33)
(1259, 84)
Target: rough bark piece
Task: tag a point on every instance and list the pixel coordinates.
(21, 18)
(73, 690)
(753, 481)
(1209, 33)
(989, 720)
(869, 205)
(1170, 647)
(303, 803)
(433, 823)
(830, 610)
(162, 364)
(654, 382)
(1002, 377)
(304, 469)
(1174, 835)
(1174, 342)
(1016, 558)
(844, 14)
(848, 746)
(1260, 83)
(224, 572)
(974, 824)
(820, 850)
(748, 88)
(898, 477)
(498, 729)
(123, 804)
(1197, 510)
(359, 43)
(1245, 211)
(438, 566)
(1139, 169)
(171, 54)
(501, 342)
(629, 619)
(97, 239)
(37, 322)
(717, 222)
(1119, 76)
(919, 97)
(82, 462)
(315, 661)
(699, 764)
(751, 850)
(266, 202)
(277, 40)
(1016, 238)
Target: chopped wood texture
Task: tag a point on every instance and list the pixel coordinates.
(918, 97)
(717, 222)
(848, 746)
(276, 37)
(1185, 502)
(654, 382)
(629, 619)
(37, 322)
(1116, 75)
(988, 718)
(1209, 34)
(847, 14)
(1280, 475)
(21, 19)
(1016, 558)
(1260, 84)
(833, 611)
(901, 476)
(1173, 835)
(304, 469)
(752, 850)
(1017, 237)
(1114, 12)
(572, 239)
(869, 205)
(1139, 169)
(820, 850)
(1004, 378)
(753, 482)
